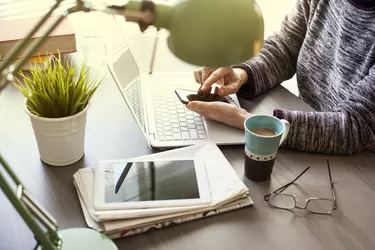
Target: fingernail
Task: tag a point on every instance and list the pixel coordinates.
(189, 106)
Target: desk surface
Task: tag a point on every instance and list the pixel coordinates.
(112, 133)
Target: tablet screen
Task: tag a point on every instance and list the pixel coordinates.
(150, 181)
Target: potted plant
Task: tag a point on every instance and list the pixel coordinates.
(57, 99)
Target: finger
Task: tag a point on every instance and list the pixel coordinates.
(196, 105)
(219, 111)
(209, 110)
(228, 89)
(227, 79)
(216, 91)
(215, 76)
(206, 72)
(196, 76)
(191, 105)
(200, 77)
(221, 82)
(208, 90)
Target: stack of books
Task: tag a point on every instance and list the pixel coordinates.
(62, 39)
(227, 193)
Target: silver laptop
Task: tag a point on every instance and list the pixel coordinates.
(163, 119)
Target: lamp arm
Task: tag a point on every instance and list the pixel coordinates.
(30, 211)
(143, 18)
(34, 46)
(145, 14)
(9, 170)
(8, 74)
(50, 242)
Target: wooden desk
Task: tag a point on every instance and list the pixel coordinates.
(112, 133)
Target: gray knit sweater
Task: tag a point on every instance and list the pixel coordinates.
(330, 45)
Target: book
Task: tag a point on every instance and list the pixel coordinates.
(62, 39)
(39, 61)
(36, 61)
(227, 190)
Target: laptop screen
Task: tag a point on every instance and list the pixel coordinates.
(126, 72)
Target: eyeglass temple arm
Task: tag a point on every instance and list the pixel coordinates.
(281, 189)
(332, 186)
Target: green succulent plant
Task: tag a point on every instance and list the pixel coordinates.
(57, 90)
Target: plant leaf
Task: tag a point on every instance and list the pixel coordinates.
(57, 90)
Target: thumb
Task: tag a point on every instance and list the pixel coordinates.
(197, 106)
(192, 105)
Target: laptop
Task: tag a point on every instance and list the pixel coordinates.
(163, 119)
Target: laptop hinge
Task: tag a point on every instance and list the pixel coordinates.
(152, 136)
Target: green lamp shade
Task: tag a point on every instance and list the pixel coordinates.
(211, 32)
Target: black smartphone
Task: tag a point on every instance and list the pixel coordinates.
(187, 96)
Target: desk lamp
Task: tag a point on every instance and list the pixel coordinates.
(202, 32)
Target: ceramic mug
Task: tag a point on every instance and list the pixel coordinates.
(263, 136)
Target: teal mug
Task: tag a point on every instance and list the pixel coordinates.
(263, 136)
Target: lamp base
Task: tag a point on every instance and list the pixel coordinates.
(84, 238)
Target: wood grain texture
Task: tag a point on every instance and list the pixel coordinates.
(112, 133)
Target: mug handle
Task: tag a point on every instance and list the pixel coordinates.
(286, 131)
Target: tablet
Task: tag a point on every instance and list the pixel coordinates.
(150, 184)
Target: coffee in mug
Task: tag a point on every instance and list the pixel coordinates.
(263, 131)
(263, 136)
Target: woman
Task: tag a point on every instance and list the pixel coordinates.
(330, 45)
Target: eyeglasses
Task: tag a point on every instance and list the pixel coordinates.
(277, 199)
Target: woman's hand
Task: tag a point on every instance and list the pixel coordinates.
(230, 79)
(220, 112)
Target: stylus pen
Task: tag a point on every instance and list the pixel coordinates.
(154, 52)
(123, 176)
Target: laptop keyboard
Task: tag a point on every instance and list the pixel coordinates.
(174, 121)
(132, 93)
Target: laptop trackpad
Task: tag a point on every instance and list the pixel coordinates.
(223, 134)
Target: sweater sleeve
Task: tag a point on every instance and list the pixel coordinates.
(347, 130)
(277, 59)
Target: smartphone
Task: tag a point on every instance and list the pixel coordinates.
(187, 96)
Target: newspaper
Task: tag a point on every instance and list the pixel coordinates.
(226, 190)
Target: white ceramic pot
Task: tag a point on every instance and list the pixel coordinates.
(60, 140)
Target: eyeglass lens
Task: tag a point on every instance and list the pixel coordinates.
(286, 201)
(283, 201)
(319, 205)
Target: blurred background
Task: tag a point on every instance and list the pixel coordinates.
(91, 25)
